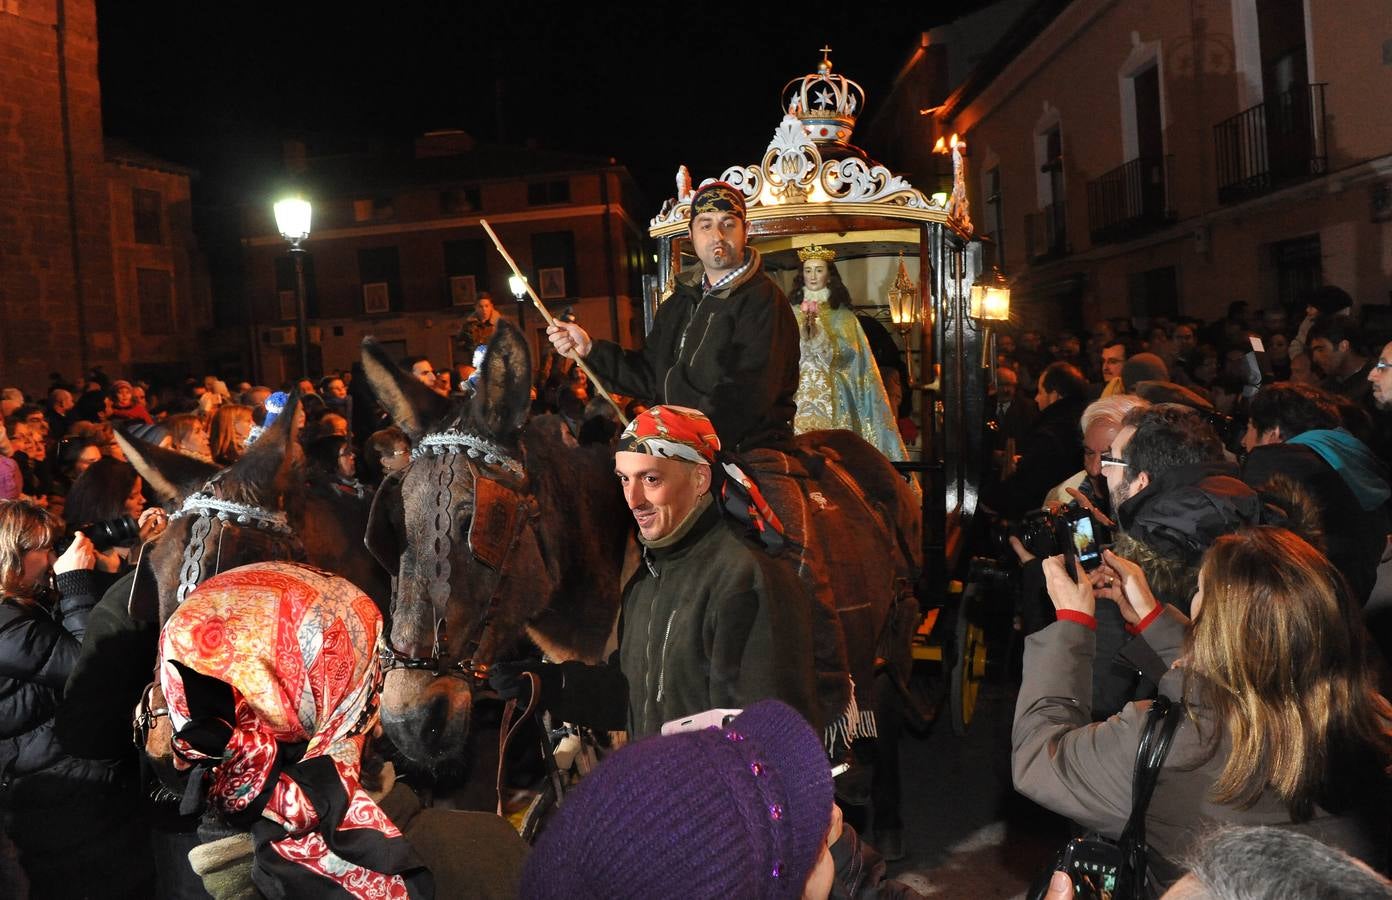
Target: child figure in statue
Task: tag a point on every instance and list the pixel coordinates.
(840, 386)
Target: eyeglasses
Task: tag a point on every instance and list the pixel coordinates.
(145, 716)
(1108, 459)
(1382, 364)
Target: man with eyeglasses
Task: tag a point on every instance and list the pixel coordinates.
(1174, 493)
(1380, 377)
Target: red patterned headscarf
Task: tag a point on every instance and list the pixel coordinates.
(679, 432)
(297, 647)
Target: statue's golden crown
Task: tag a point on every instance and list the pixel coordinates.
(816, 251)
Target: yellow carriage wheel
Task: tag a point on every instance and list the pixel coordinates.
(970, 668)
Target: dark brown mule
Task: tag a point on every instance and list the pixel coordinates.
(255, 510)
(498, 527)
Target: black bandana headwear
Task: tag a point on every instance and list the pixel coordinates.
(717, 196)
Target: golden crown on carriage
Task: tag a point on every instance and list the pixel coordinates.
(819, 113)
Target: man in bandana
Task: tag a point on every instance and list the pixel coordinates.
(709, 620)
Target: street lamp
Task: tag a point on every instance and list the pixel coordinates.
(292, 218)
(518, 285)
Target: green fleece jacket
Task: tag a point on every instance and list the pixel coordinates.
(712, 622)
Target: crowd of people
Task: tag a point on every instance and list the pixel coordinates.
(1234, 472)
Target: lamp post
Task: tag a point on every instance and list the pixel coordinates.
(518, 285)
(292, 218)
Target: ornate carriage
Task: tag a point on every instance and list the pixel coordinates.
(909, 259)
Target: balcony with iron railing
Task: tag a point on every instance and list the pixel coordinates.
(1130, 200)
(1046, 232)
(1272, 144)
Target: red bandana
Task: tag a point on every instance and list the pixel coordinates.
(678, 432)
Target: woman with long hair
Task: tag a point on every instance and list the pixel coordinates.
(227, 438)
(839, 384)
(72, 819)
(1282, 723)
(189, 435)
(108, 490)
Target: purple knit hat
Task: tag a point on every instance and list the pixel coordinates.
(741, 811)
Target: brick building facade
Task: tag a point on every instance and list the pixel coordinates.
(1140, 157)
(72, 269)
(396, 251)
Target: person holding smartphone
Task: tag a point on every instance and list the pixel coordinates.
(1274, 638)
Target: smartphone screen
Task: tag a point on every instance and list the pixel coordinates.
(1085, 543)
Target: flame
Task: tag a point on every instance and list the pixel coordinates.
(954, 143)
(940, 147)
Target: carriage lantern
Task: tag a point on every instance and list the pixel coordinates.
(905, 308)
(990, 297)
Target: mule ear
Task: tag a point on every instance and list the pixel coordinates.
(386, 523)
(504, 395)
(414, 407)
(170, 474)
(270, 459)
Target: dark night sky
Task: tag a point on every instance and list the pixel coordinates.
(215, 86)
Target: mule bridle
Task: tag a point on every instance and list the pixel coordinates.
(448, 445)
(207, 509)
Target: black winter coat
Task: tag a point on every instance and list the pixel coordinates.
(713, 622)
(37, 653)
(1166, 528)
(732, 354)
(1051, 451)
(75, 821)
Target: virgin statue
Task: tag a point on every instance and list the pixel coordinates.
(840, 384)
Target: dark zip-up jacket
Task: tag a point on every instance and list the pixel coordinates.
(732, 354)
(712, 622)
(38, 650)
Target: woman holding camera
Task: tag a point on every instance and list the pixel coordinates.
(69, 817)
(1282, 724)
(108, 501)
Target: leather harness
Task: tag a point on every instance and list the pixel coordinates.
(501, 514)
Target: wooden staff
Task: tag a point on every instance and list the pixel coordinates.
(550, 320)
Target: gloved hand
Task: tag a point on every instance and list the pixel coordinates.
(595, 696)
(510, 680)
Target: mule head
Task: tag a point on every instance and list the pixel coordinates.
(170, 475)
(193, 548)
(457, 526)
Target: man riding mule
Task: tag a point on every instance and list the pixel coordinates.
(726, 343)
(500, 528)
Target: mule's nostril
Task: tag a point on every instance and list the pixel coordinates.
(436, 717)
